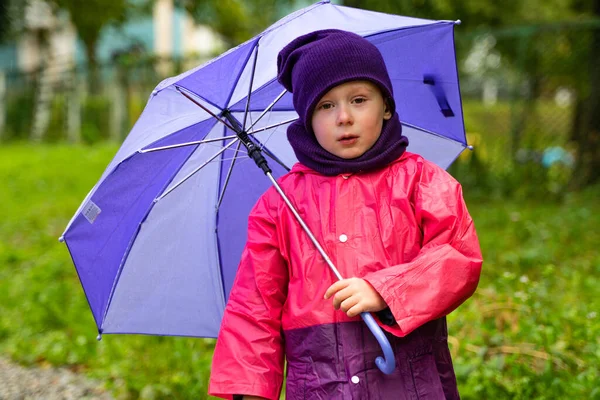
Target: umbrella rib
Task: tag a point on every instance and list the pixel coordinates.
(268, 108)
(228, 175)
(432, 133)
(250, 87)
(236, 158)
(179, 89)
(196, 170)
(193, 143)
(272, 126)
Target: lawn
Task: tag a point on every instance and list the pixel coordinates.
(531, 331)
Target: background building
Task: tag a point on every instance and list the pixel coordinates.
(168, 32)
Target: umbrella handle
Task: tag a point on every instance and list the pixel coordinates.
(387, 365)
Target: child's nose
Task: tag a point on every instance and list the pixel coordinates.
(344, 115)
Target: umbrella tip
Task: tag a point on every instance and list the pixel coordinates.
(458, 22)
(470, 147)
(99, 337)
(61, 239)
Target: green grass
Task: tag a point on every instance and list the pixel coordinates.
(530, 331)
(44, 317)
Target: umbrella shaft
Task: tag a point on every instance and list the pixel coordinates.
(306, 228)
(253, 150)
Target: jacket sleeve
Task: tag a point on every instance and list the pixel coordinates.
(249, 353)
(446, 270)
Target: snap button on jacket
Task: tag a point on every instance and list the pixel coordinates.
(405, 229)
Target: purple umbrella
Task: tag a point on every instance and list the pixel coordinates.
(157, 241)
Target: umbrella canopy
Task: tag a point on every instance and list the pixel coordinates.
(157, 241)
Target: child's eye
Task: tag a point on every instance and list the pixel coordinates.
(325, 106)
(359, 100)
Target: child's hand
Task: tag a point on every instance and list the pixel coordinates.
(355, 296)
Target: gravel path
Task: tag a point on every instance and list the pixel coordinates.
(22, 383)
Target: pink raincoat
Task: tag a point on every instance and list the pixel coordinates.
(405, 229)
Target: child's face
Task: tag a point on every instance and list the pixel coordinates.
(347, 120)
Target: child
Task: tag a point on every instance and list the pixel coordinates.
(393, 223)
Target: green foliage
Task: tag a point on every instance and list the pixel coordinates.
(19, 115)
(531, 330)
(95, 15)
(44, 317)
(473, 13)
(11, 19)
(551, 52)
(491, 171)
(4, 20)
(96, 117)
(57, 126)
(237, 20)
(90, 18)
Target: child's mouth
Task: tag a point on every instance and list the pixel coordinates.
(348, 140)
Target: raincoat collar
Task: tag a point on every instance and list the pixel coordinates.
(300, 168)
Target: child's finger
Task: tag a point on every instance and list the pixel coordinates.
(355, 310)
(341, 296)
(350, 302)
(337, 286)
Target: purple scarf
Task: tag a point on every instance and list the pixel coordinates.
(390, 145)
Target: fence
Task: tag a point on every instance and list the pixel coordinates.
(522, 90)
(63, 102)
(522, 85)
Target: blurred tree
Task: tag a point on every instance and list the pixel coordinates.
(236, 20)
(89, 18)
(534, 59)
(4, 20)
(473, 13)
(11, 18)
(586, 125)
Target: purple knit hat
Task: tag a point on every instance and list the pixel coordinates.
(311, 65)
(323, 59)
